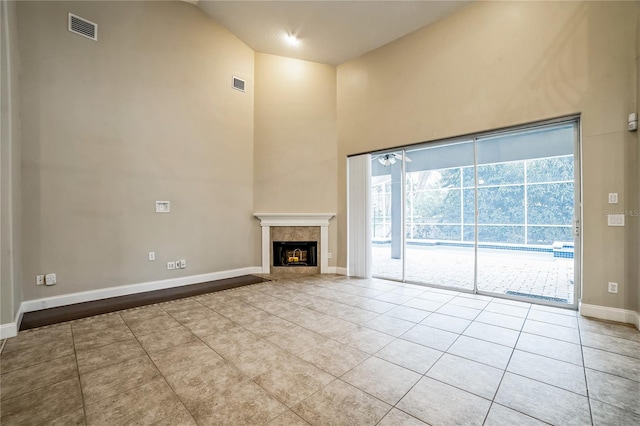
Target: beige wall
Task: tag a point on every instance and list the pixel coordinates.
(10, 273)
(496, 64)
(295, 168)
(636, 158)
(146, 113)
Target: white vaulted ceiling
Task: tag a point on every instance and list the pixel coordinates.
(329, 32)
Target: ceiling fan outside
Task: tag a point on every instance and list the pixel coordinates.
(388, 159)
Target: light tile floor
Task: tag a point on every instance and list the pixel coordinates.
(325, 350)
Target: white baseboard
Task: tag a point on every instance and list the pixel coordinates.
(8, 330)
(610, 314)
(337, 270)
(11, 329)
(104, 293)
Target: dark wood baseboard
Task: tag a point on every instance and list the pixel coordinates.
(86, 309)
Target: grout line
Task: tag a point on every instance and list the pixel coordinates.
(512, 409)
(160, 374)
(504, 371)
(394, 407)
(584, 372)
(38, 387)
(249, 378)
(75, 355)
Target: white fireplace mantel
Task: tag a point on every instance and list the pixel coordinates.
(267, 220)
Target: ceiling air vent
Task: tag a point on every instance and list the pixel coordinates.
(83, 27)
(239, 84)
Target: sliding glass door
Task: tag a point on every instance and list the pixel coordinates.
(493, 214)
(526, 212)
(438, 251)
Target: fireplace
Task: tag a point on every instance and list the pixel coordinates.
(295, 249)
(295, 228)
(295, 253)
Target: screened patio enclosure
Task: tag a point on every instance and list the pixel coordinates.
(494, 213)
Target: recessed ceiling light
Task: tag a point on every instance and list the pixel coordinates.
(292, 40)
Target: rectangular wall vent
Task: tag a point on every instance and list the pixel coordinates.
(239, 84)
(83, 27)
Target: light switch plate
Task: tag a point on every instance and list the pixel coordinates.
(615, 220)
(613, 198)
(163, 207)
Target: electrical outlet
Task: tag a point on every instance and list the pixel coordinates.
(39, 279)
(613, 287)
(152, 255)
(182, 263)
(329, 255)
(171, 265)
(613, 198)
(50, 279)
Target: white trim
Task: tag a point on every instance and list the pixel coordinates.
(336, 270)
(324, 249)
(610, 314)
(8, 330)
(104, 293)
(11, 329)
(266, 258)
(294, 219)
(267, 220)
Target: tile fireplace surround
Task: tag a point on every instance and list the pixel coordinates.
(267, 220)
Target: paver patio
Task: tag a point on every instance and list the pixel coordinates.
(499, 271)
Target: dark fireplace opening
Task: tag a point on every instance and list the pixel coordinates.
(295, 253)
